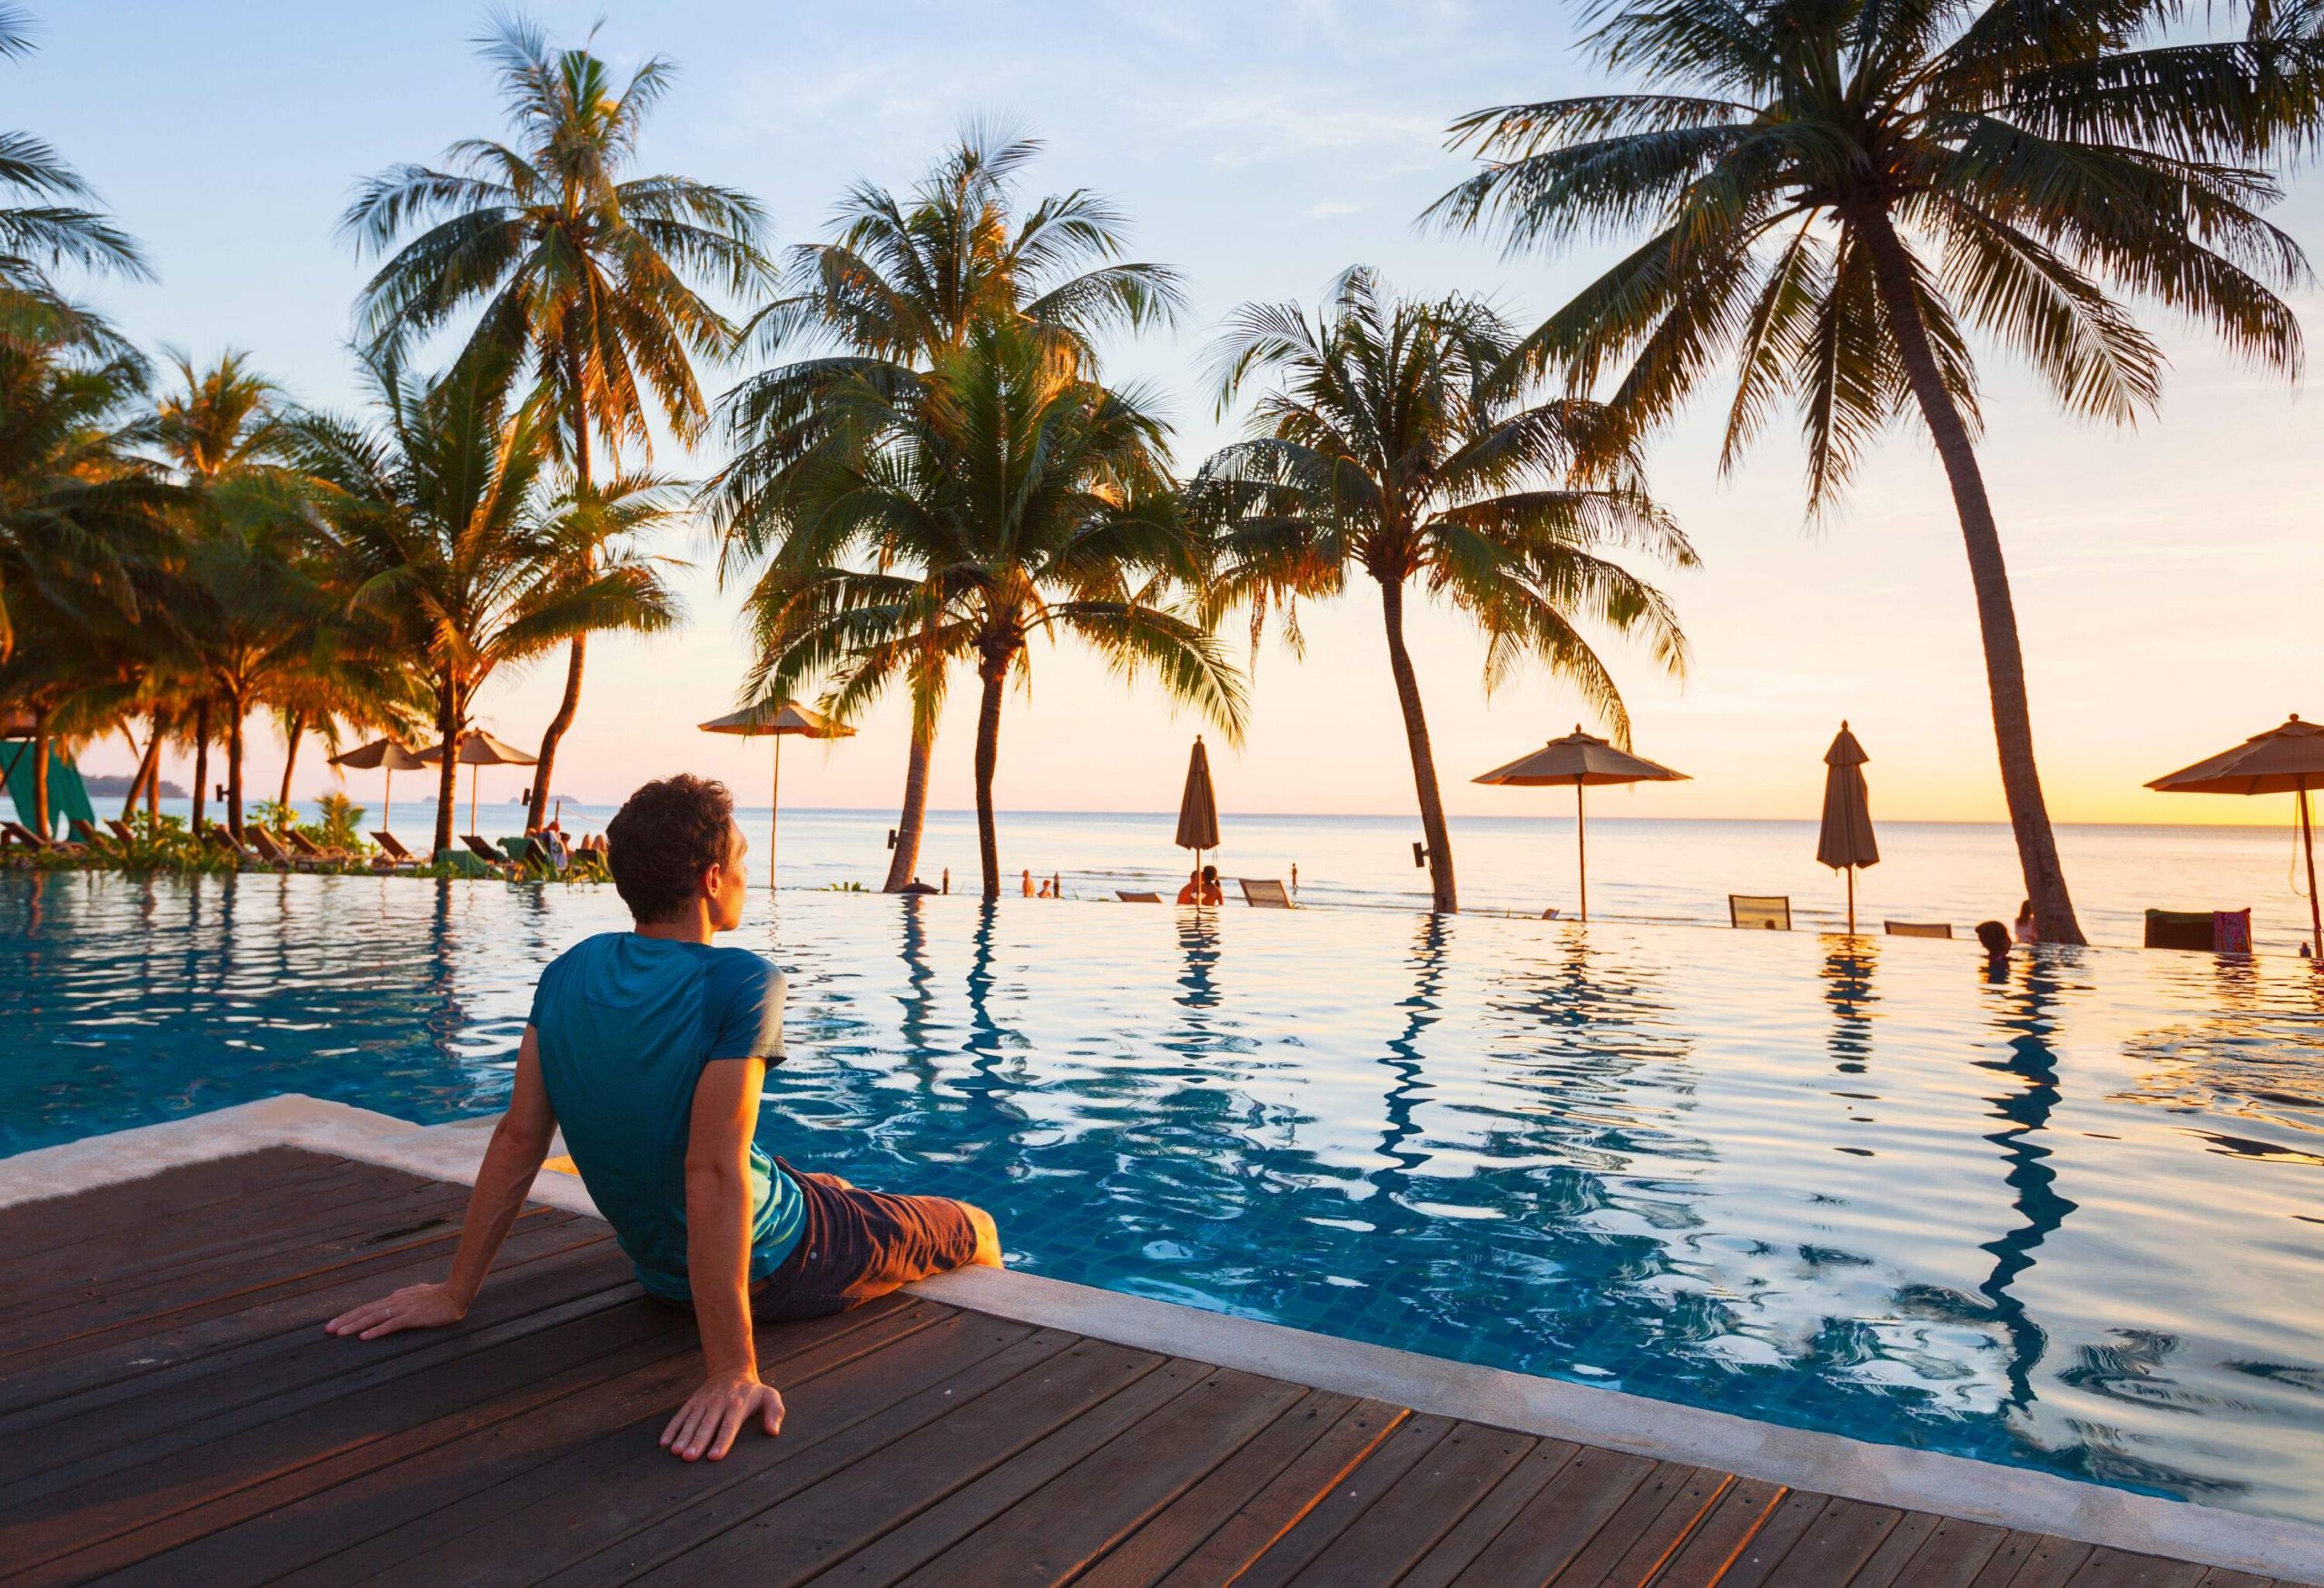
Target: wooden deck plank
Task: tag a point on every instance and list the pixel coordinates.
(487, 1458)
(2114, 1568)
(2032, 1560)
(1067, 1501)
(80, 1386)
(219, 1416)
(1483, 1523)
(1951, 1556)
(1400, 1527)
(1559, 1520)
(1705, 1554)
(1774, 1540)
(1335, 1512)
(571, 1514)
(1321, 1439)
(1838, 1544)
(83, 1217)
(2221, 1577)
(1634, 1541)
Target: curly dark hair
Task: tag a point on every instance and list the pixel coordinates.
(662, 840)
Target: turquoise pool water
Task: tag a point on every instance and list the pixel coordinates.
(2067, 1219)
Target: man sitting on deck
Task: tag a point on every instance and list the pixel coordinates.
(650, 1047)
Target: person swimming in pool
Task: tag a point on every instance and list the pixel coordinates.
(650, 1049)
(1202, 888)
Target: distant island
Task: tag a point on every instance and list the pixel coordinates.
(114, 785)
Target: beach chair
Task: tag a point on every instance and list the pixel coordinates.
(1919, 928)
(484, 851)
(1265, 893)
(1759, 911)
(121, 830)
(1129, 898)
(16, 835)
(219, 839)
(86, 831)
(271, 851)
(393, 853)
(2217, 932)
(305, 848)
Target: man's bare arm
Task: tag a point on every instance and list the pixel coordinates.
(519, 1144)
(718, 1263)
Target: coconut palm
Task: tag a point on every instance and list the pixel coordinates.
(1395, 439)
(45, 223)
(900, 286)
(458, 536)
(594, 275)
(1835, 194)
(1002, 495)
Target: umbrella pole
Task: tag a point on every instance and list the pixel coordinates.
(774, 808)
(473, 773)
(2315, 907)
(1851, 871)
(387, 802)
(1582, 847)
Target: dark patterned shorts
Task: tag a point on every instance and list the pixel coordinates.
(856, 1244)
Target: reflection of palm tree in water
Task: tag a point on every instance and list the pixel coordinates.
(1404, 1060)
(2032, 1182)
(916, 1023)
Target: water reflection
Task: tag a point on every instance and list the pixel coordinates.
(2040, 1209)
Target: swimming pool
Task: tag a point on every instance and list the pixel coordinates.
(2069, 1220)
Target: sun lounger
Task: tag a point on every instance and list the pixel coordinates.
(16, 835)
(86, 831)
(1919, 928)
(2219, 932)
(1128, 898)
(1759, 911)
(1265, 893)
(484, 851)
(121, 829)
(219, 839)
(274, 852)
(395, 853)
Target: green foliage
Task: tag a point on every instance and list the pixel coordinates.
(342, 824)
(846, 888)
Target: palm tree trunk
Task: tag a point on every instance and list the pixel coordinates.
(149, 769)
(201, 763)
(1447, 899)
(904, 863)
(40, 771)
(234, 768)
(291, 739)
(576, 654)
(994, 670)
(447, 775)
(2021, 778)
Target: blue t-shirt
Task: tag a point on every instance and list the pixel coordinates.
(625, 1026)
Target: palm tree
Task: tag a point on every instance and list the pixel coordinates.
(1001, 495)
(44, 221)
(460, 537)
(900, 286)
(1835, 194)
(1397, 440)
(592, 275)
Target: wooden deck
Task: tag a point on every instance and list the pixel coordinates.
(170, 1412)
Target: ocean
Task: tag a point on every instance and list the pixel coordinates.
(1641, 869)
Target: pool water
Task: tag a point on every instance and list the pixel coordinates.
(2068, 1218)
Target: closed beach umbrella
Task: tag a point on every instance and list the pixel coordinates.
(1199, 809)
(478, 749)
(389, 756)
(775, 719)
(1585, 761)
(2285, 760)
(1845, 841)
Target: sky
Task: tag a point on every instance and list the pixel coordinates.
(2165, 576)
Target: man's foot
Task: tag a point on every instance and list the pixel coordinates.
(988, 1252)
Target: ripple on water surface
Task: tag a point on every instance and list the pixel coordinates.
(2068, 1219)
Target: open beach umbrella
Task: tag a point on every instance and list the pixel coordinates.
(478, 749)
(1845, 841)
(1583, 760)
(1198, 810)
(775, 719)
(387, 755)
(2285, 760)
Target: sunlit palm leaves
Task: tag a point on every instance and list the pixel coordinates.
(1399, 437)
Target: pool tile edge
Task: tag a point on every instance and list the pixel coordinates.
(1880, 1474)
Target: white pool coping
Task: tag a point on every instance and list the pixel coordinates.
(1880, 1474)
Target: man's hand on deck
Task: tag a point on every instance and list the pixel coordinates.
(706, 1425)
(415, 1306)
